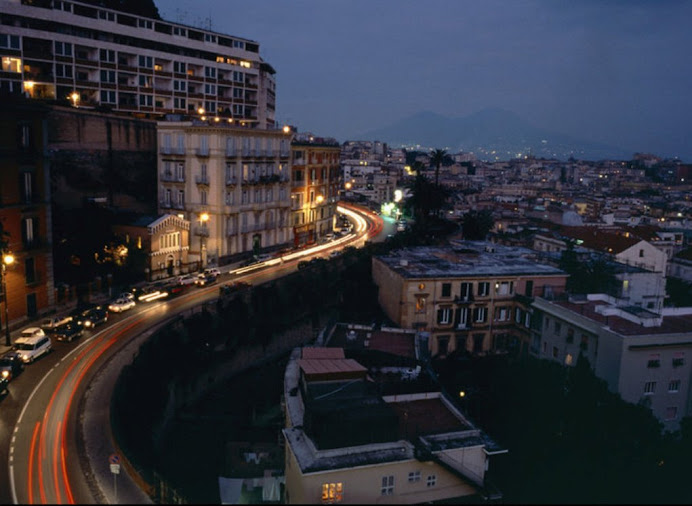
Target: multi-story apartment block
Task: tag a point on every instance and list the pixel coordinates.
(469, 296)
(90, 56)
(316, 180)
(643, 356)
(353, 440)
(25, 210)
(232, 183)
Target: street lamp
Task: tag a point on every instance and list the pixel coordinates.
(7, 259)
(75, 98)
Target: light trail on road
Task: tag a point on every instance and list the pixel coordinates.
(44, 439)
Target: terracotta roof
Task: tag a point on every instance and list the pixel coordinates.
(601, 241)
(322, 353)
(326, 367)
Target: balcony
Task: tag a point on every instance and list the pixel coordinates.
(202, 179)
(170, 177)
(202, 152)
(466, 299)
(231, 152)
(231, 181)
(202, 231)
(252, 228)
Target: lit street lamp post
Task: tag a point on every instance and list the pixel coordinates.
(7, 259)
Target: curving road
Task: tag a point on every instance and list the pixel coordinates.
(42, 448)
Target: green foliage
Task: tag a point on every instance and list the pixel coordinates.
(437, 157)
(595, 275)
(476, 224)
(427, 199)
(679, 292)
(570, 439)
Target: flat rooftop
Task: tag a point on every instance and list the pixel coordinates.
(678, 324)
(467, 259)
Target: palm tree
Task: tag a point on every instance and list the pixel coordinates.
(437, 156)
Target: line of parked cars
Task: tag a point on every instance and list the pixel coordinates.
(35, 342)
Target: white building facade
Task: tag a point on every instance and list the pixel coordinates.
(232, 183)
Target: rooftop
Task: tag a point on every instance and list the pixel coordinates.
(594, 310)
(467, 259)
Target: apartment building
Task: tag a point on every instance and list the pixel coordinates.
(348, 443)
(643, 356)
(231, 182)
(90, 56)
(316, 180)
(25, 212)
(471, 295)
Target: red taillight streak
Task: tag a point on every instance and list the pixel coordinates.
(55, 468)
(61, 432)
(31, 463)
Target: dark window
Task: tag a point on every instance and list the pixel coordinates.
(529, 289)
(29, 271)
(446, 289)
(31, 305)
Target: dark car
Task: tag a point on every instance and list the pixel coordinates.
(11, 365)
(205, 280)
(90, 315)
(68, 331)
(3, 385)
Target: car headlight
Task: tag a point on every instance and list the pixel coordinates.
(88, 323)
(5, 374)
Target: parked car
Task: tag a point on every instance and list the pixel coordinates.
(205, 280)
(212, 271)
(50, 324)
(120, 305)
(94, 316)
(11, 365)
(68, 331)
(186, 279)
(152, 293)
(32, 344)
(3, 385)
(126, 295)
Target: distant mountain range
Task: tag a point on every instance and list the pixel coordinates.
(490, 134)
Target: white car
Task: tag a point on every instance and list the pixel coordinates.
(212, 271)
(126, 295)
(50, 324)
(120, 305)
(31, 344)
(186, 279)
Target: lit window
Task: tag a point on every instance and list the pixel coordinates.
(332, 492)
(420, 305)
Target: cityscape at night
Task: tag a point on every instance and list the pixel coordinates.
(353, 252)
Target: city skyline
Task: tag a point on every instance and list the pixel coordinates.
(612, 72)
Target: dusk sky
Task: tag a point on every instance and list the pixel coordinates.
(611, 71)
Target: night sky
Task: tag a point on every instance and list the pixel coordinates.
(611, 71)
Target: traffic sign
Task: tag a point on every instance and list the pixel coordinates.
(115, 468)
(114, 459)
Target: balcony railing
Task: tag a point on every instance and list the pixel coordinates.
(202, 179)
(170, 177)
(231, 181)
(202, 151)
(202, 231)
